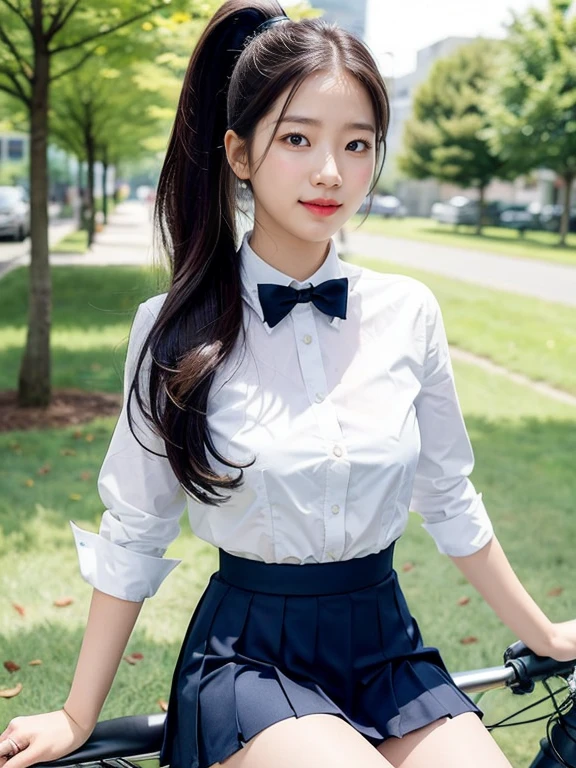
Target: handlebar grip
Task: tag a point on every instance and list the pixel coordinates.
(531, 668)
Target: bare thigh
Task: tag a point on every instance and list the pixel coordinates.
(449, 742)
(312, 741)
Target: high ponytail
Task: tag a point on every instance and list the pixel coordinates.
(233, 80)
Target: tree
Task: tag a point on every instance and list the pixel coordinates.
(532, 103)
(444, 137)
(41, 42)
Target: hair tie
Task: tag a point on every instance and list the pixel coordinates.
(270, 23)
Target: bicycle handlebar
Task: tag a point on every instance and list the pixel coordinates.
(141, 735)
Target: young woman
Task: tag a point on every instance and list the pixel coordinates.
(296, 406)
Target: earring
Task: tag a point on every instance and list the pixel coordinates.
(244, 185)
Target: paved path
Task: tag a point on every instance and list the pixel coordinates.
(126, 240)
(12, 254)
(553, 282)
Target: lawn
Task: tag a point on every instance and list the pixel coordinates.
(524, 445)
(535, 245)
(75, 242)
(530, 336)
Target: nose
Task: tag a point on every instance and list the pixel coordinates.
(328, 173)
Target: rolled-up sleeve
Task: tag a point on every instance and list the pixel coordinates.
(453, 512)
(143, 499)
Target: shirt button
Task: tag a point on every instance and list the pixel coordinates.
(307, 339)
(319, 397)
(331, 555)
(337, 451)
(335, 509)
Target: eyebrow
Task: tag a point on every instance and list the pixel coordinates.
(312, 121)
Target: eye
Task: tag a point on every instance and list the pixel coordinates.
(367, 144)
(298, 139)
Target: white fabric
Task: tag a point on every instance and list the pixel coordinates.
(352, 423)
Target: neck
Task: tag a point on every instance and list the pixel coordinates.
(299, 259)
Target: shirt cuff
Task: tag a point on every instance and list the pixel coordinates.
(119, 571)
(464, 534)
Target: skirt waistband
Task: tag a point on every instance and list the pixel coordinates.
(317, 579)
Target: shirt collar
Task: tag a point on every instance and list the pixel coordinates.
(255, 270)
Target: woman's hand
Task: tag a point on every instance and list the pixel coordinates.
(40, 738)
(563, 644)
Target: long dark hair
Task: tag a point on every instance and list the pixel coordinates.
(233, 80)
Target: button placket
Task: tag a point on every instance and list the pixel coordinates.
(338, 470)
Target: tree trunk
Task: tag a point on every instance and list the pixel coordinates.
(34, 386)
(91, 213)
(105, 186)
(565, 221)
(481, 207)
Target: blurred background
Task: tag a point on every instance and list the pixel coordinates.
(475, 200)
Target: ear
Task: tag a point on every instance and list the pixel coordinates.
(236, 154)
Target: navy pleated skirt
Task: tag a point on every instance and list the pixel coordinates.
(269, 641)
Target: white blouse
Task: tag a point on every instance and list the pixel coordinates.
(352, 423)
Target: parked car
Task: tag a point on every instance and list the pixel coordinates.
(551, 215)
(388, 206)
(457, 210)
(14, 213)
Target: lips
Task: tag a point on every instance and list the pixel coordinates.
(321, 207)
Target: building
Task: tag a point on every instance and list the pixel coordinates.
(350, 14)
(13, 147)
(419, 196)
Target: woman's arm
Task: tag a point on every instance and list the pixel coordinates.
(490, 573)
(110, 624)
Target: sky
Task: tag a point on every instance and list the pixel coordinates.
(402, 27)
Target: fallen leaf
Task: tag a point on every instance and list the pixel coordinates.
(20, 608)
(89, 438)
(75, 497)
(85, 476)
(67, 452)
(469, 640)
(555, 591)
(133, 658)
(11, 666)
(407, 567)
(463, 601)
(62, 602)
(78, 433)
(29, 483)
(45, 469)
(35, 663)
(163, 705)
(8, 693)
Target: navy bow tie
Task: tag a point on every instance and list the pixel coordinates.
(330, 297)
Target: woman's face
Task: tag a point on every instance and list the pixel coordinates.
(324, 149)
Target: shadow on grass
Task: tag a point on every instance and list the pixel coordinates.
(525, 469)
(136, 690)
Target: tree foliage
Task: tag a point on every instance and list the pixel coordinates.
(444, 137)
(532, 104)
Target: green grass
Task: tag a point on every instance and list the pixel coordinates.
(524, 445)
(93, 308)
(530, 336)
(535, 245)
(92, 311)
(75, 242)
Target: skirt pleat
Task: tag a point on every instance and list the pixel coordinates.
(252, 658)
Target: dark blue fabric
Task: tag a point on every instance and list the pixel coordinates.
(252, 657)
(330, 297)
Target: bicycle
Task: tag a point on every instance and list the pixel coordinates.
(126, 742)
